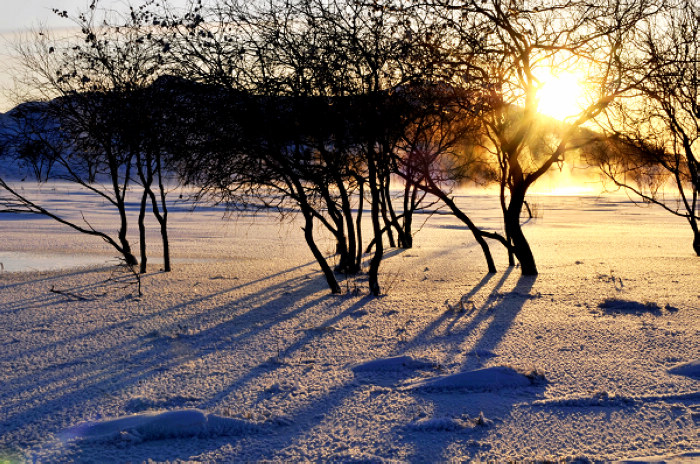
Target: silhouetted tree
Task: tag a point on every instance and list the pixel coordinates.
(506, 44)
(654, 133)
(439, 151)
(97, 127)
(326, 75)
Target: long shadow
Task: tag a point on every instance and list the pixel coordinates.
(425, 449)
(164, 332)
(36, 304)
(430, 336)
(57, 276)
(447, 425)
(29, 380)
(67, 389)
(288, 352)
(55, 369)
(264, 368)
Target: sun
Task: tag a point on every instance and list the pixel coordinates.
(560, 95)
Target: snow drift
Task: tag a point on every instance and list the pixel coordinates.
(489, 378)
(159, 425)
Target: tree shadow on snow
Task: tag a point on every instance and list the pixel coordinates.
(427, 421)
(229, 346)
(65, 389)
(460, 415)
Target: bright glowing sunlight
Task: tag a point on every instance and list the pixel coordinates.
(560, 95)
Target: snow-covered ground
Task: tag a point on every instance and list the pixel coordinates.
(241, 354)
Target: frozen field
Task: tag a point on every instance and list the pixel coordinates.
(251, 359)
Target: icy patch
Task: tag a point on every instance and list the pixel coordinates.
(689, 369)
(15, 261)
(397, 363)
(157, 426)
(489, 378)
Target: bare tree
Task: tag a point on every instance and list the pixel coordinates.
(95, 127)
(654, 133)
(327, 73)
(505, 44)
(440, 151)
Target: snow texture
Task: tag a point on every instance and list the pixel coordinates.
(393, 364)
(240, 354)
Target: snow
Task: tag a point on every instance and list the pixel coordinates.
(690, 369)
(686, 458)
(242, 355)
(489, 378)
(395, 363)
(177, 423)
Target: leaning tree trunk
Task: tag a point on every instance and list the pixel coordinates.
(325, 268)
(129, 257)
(521, 247)
(120, 203)
(696, 237)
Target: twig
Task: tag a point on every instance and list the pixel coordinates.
(68, 294)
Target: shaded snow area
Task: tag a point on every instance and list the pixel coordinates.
(242, 355)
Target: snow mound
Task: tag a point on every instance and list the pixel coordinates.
(489, 378)
(449, 424)
(619, 306)
(397, 363)
(689, 369)
(158, 426)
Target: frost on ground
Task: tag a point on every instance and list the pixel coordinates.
(241, 354)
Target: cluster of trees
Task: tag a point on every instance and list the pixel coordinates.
(322, 105)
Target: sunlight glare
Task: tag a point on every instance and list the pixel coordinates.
(560, 96)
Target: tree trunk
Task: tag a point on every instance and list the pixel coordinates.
(309, 236)
(351, 266)
(459, 214)
(696, 237)
(162, 216)
(514, 231)
(142, 232)
(129, 257)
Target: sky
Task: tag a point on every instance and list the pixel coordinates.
(21, 16)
